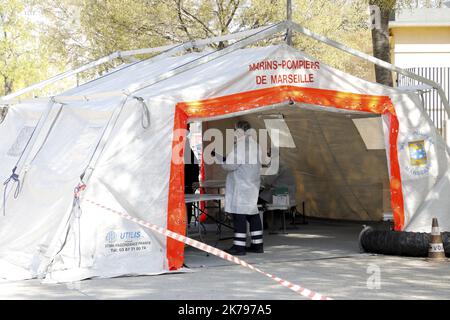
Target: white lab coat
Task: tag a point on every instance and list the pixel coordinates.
(283, 178)
(244, 176)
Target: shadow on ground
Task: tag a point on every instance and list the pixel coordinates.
(320, 256)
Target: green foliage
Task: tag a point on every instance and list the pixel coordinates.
(342, 21)
(83, 31)
(70, 33)
(22, 58)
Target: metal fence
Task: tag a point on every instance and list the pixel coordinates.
(430, 98)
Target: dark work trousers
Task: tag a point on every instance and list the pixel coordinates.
(240, 229)
(191, 172)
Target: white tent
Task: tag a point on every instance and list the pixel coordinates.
(116, 135)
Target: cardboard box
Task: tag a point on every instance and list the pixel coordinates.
(280, 200)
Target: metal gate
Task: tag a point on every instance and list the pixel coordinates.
(430, 98)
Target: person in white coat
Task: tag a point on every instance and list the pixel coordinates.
(243, 166)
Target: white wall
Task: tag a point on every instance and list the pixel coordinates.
(420, 46)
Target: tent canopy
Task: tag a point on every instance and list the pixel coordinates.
(122, 147)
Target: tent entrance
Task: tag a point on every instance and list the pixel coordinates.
(255, 99)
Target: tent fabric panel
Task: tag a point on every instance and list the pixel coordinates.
(205, 82)
(100, 243)
(336, 176)
(132, 176)
(424, 188)
(46, 196)
(335, 172)
(332, 156)
(130, 76)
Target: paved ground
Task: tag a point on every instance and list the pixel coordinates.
(320, 256)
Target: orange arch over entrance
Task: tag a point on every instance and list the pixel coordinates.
(263, 97)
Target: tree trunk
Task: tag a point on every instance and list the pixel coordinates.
(3, 112)
(8, 84)
(381, 47)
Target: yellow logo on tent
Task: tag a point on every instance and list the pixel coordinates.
(417, 153)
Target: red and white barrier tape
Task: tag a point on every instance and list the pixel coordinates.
(214, 251)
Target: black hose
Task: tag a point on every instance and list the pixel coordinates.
(399, 243)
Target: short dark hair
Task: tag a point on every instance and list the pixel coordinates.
(242, 124)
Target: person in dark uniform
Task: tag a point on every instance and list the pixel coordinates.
(191, 175)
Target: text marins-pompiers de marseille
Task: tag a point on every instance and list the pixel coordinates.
(285, 64)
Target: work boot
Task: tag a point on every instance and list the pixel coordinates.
(255, 248)
(236, 251)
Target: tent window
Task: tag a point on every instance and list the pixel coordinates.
(371, 131)
(21, 141)
(284, 137)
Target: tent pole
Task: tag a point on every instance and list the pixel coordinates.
(22, 164)
(289, 25)
(61, 76)
(165, 51)
(268, 31)
(254, 37)
(376, 61)
(196, 43)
